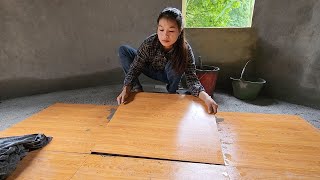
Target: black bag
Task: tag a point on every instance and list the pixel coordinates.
(13, 149)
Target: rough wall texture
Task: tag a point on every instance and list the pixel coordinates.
(229, 49)
(49, 45)
(289, 49)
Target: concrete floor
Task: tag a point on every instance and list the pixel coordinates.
(14, 110)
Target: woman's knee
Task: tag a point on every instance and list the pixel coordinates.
(125, 55)
(123, 49)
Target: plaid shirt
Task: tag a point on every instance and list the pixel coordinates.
(151, 53)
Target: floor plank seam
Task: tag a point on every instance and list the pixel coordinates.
(152, 158)
(83, 162)
(68, 152)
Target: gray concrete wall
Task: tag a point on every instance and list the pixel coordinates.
(227, 48)
(289, 49)
(49, 45)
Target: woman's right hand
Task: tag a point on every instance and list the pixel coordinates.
(124, 95)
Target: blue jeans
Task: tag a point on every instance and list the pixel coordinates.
(168, 75)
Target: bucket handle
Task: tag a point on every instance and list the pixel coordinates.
(244, 68)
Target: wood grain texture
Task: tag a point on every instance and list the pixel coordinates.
(165, 126)
(48, 165)
(265, 143)
(72, 126)
(108, 167)
(255, 146)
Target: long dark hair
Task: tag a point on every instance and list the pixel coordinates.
(179, 60)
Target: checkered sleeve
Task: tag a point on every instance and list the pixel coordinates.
(138, 63)
(192, 80)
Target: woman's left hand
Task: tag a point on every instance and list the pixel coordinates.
(211, 104)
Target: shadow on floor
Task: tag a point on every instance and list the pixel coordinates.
(262, 101)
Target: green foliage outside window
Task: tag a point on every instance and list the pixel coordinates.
(219, 13)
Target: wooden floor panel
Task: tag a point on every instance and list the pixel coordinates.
(65, 141)
(72, 126)
(108, 167)
(240, 172)
(76, 111)
(48, 165)
(63, 123)
(163, 126)
(283, 143)
(254, 146)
